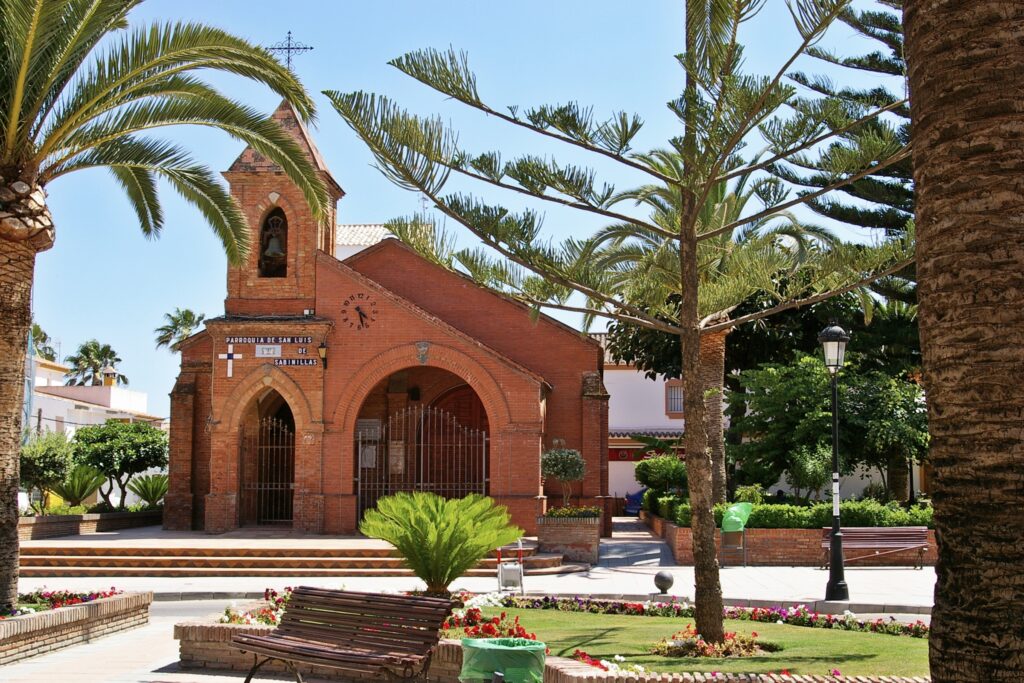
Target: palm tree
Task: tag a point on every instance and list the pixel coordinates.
(642, 263)
(66, 104)
(41, 343)
(180, 326)
(966, 76)
(88, 364)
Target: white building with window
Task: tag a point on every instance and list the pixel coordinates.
(637, 405)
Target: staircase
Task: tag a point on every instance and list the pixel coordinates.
(55, 560)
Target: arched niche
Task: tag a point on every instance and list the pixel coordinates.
(274, 245)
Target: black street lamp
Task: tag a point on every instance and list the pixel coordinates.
(833, 339)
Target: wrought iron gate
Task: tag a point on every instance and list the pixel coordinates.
(267, 459)
(419, 448)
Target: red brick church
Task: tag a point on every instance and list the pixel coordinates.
(329, 383)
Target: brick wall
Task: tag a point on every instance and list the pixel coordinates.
(782, 548)
(576, 539)
(53, 526)
(36, 634)
(208, 646)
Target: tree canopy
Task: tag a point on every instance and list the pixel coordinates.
(119, 450)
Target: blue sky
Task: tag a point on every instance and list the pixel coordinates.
(103, 279)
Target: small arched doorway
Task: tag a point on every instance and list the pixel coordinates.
(267, 463)
(422, 429)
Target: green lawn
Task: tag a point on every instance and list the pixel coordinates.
(809, 651)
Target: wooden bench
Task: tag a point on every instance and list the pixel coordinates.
(372, 634)
(884, 540)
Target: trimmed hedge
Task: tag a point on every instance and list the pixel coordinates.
(851, 512)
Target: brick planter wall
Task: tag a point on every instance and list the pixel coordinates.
(782, 548)
(36, 634)
(52, 526)
(208, 646)
(577, 539)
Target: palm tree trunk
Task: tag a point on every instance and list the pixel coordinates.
(712, 370)
(25, 229)
(966, 77)
(17, 261)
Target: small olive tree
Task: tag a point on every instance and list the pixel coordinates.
(565, 466)
(45, 461)
(119, 450)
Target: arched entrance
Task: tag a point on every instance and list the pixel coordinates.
(267, 463)
(421, 429)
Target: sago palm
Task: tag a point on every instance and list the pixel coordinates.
(80, 89)
(180, 326)
(87, 364)
(440, 539)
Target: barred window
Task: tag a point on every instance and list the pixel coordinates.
(674, 398)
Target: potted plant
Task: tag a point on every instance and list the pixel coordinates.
(575, 532)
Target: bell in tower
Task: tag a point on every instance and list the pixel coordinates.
(274, 245)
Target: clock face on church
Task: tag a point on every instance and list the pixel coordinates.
(358, 311)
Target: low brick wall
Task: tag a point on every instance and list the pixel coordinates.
(35, 634)
(577, 539)
(208, 646)
(53, 526)
(781, 548)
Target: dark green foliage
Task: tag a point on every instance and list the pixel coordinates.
(80, 483)
(586, 511)
(180, 326)
(662, 473)
(754, 493)
(440, 539)
(41, 343)
(564, 465)
(649, 502)
(852, 513)
(882, 420)
(120, 450)
(45, 460)
(151, 488)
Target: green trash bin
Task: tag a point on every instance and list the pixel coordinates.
(519, 659)
(736, 516)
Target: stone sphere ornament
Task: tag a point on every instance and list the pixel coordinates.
(663, 581)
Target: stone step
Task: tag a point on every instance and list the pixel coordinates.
(157, 572)
(545, 560)
(119, 550)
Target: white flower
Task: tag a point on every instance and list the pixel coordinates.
(619, 658)
(779, 621)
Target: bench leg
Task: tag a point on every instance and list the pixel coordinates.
(298, 676)
(256, 664)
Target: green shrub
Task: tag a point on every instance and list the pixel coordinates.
(667, 504)
(574, 511)
(851, 513)
(683, 515)
(780, 517)
(81, 482)
(440, 539)
(45, 460)
(750, 494)
(662, 473)
(151, 488)
(565, 466)
(649, 502)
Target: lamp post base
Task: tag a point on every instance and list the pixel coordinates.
(837, 591)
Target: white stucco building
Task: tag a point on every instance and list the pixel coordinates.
(637, 405)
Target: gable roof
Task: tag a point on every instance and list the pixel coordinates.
(401, 301)
(251, 161)
(542, 317)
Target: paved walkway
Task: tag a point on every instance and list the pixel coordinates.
(626, 568)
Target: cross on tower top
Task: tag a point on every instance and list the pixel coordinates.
(287, 47)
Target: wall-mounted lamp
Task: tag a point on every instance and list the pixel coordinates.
(322, 350)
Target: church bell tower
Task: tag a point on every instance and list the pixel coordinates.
(279, 275)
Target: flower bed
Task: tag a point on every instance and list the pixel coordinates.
(42, 600)
(64, 619)
(793, 616)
